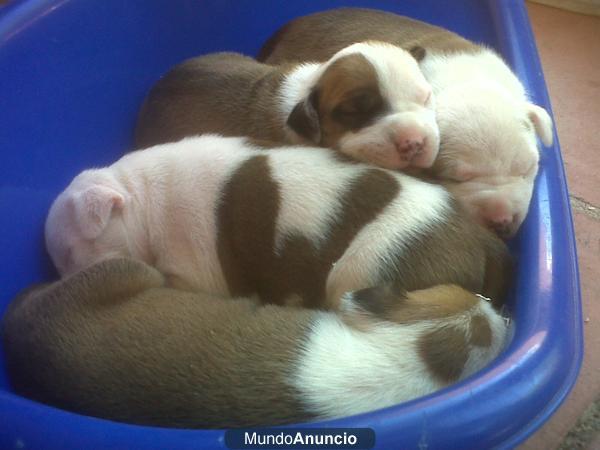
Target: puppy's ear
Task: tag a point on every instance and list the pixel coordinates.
(93, 208)
(542, 123)
(304, 118)
(417, 52)
(373, 304)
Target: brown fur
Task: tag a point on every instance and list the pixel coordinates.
(481, 333)
(316, 37)
(457, 251)
(222, 93)
(348, 99)
(112, 342)
(391, 302)
(445, 352)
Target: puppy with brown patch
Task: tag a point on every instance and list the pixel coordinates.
(488, 153)
(113, 342)
(370, 101)
(291, 225)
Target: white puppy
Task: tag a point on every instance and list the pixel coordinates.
(488, 128)
(292, 225)
(488, 154)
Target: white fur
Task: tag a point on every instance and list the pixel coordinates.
(168, 221)
(343, 371)
(170, 197)
(411, 119)
(488, 129)
(297, 85)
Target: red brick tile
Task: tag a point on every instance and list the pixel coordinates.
(569, 47)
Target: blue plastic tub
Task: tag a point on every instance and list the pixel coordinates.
(72, 77)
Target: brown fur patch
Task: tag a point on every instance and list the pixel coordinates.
(316, 37)
(498, 272)
(445, 352)
(246, 219)
(481, 333)
(391, 303)
(348, 97)
(226, 93)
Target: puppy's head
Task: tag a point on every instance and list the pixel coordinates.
(488, 154)
(457, 331)
(371, 102)
(85, 223)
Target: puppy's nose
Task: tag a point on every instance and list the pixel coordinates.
(503, 226)
(409, 147)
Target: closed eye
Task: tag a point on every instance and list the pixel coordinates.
(358, 110)
(359, 104)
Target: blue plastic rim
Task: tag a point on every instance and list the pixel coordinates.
(72, 77)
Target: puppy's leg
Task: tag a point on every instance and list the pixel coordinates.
(349, 273)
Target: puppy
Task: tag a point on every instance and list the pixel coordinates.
(488, 153)
(370, 101)
(113, 342)
(294, 225)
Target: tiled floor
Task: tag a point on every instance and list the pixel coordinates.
(569, 46)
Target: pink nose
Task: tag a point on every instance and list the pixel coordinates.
(502, 225)
(409, 147)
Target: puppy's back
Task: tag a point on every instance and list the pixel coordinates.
(215, 93)
(111, 342)
(316, 37)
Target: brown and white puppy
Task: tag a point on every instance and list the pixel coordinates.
(370, 101)
(488, 153)
(113, 342)
(292, 225)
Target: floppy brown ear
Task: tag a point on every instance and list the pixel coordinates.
(93, 208)
(417, 52)
(379, 300)
(304, 119)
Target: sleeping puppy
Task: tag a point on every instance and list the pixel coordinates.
(488, 152)
(293, 225)
(370, 101)
(113, 342)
